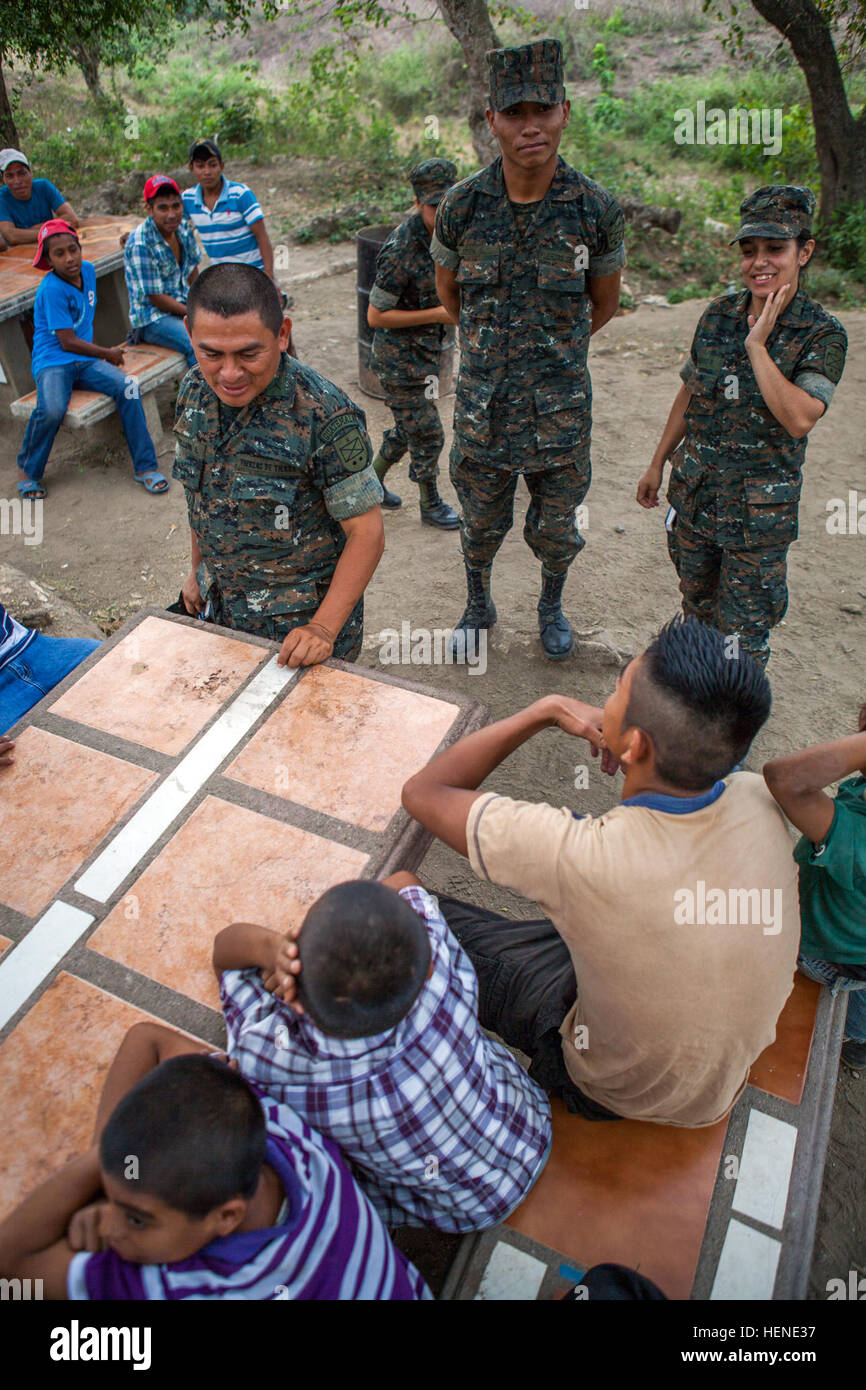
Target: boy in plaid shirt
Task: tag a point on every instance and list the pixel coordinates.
(365, 1020)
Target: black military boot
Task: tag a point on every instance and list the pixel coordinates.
(557, 638)
(380, 467)
(480, 612)
(435, 512)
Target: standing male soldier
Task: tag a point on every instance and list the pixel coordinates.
(283, 504)
(409, 323)
(529, 253)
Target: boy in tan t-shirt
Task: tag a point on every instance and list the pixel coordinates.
(673, 918)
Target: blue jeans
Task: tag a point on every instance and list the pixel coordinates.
(168, 332)
(54, 386)
(37, 670)
(827, 974)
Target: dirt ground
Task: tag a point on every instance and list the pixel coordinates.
(111, 549)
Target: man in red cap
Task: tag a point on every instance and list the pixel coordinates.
(161, 259)
(65, 356)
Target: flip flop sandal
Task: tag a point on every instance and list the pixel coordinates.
(151, 481)
(35, 491)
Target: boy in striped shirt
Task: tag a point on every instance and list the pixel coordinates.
(226, 214)
(196, 1187)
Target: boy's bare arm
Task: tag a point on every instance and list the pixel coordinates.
(70, 342)
(260, 232)
(245, 946)
(143, 1048)
(406, 318)
(797, 782)
(20, 236)
(33, 1243)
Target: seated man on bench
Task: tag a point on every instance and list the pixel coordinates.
(26, 203)
(65, 356)
(674, 921)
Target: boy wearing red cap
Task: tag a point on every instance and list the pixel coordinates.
(161, 259)
(65, 356)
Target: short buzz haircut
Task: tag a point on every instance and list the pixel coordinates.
(197, 1132)
(700, 699)
(230, 288)
(364, 958)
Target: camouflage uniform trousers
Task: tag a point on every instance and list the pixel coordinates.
(347, 646)
(487, 500)
(742, 592)
(417, 427)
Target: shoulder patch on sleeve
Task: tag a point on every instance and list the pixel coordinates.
(834, 359)
(349, 440)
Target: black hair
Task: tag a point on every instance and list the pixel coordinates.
(802, 239)
(47, 240)
(364, 958)
(230, 288)
(196, 1131)
(700, 699)
(165, 190)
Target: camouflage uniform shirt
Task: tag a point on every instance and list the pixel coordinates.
(523, 394)
(406, 279)
(266, 491)
(736, 478)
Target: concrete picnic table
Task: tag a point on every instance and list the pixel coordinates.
(19, 282)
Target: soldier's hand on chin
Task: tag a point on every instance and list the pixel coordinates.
(306, 646)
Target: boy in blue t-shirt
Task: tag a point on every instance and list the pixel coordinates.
(65, 356)
(832, 859)
(198, 1187)
(25, 202)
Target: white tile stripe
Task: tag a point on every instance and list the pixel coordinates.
(765, 1169)
(511, 1274)
(747, 1264)
(26, 965)
(152, 819)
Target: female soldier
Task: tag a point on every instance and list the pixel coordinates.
(762, 370)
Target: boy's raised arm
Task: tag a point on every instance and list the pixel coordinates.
(797, 782)
(33, 1242)
(245, 946)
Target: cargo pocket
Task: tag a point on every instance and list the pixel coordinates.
(770, 512)
(278, 610)
(562, 419)
(561, 276)
(479, 265)
(685, 486)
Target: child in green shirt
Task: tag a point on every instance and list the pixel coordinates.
(832, 859)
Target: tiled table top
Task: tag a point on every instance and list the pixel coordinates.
(127, 847)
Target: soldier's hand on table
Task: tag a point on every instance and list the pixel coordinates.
(85, 1229)
(191, 595)
(114, 355)
(6, 746)
(306, 646)
(761, 328)
(648, 488)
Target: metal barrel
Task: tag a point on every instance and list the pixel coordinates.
(369, 242)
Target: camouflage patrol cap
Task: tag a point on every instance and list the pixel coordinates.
(530, 73)
(776, 210)
(431, 178)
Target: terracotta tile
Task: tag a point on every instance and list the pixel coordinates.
(60, 800)
(316, 748)
(52, 1066)
(635, 1194)
(161, 684)
(5, 943)
(226, 864)
(781, 1068)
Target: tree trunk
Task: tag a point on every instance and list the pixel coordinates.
(840, 137)
(8, 130)
(469, 21)
(87, 59)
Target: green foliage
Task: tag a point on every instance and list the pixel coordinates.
(601, 67)
(616, 24)
(682, 292)
(846, 240)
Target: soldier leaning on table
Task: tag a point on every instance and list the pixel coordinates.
(283, 503)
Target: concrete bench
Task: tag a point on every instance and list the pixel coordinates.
(149, 366)
(719, 1213)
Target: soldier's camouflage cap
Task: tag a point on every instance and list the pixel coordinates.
(776, 210)
(530, 73)
(431, 179)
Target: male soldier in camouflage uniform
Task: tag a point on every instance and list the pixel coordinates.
(410, 328)
(763, 367)
(529, 253)
(283, 503)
